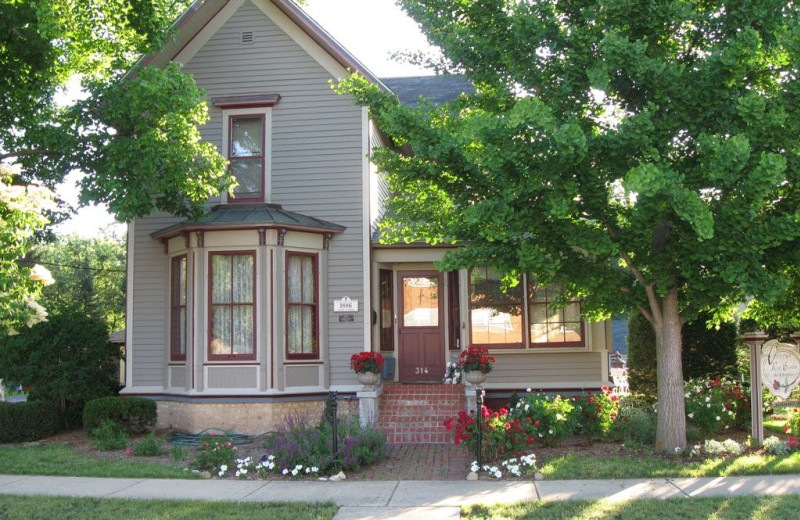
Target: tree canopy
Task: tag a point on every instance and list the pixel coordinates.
(644, 154)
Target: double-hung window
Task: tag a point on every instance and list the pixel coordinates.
(247, 147)
(232, 306)
(302, 306)
(177, 333)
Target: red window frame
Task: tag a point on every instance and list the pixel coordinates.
(211, 305)
(386, 311)
(508, 303)
(231, 158)
(313, 306)
(178, 271)
(531, 290)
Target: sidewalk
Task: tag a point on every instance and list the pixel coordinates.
(395, 500)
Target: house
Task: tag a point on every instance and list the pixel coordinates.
(253, 311)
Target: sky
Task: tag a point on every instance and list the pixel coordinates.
(371, 30)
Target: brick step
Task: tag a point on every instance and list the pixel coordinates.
(415, 414)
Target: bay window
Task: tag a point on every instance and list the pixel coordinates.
(232, 306)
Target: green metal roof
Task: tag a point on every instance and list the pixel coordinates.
(250, 216)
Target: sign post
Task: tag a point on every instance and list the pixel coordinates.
(755, 340)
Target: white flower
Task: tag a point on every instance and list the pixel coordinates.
(559, 417)
(294, 472)
(550, 432)
(691, 415)
(41, 274)
(314, 469)
(718, 418)
(541, 435)
(708, 399)
(285, 471)
(708, 405)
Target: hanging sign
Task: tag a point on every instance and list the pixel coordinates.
(345, 304)
(780, 367)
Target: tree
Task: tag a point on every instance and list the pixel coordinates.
(643, 154)
(135, 134)
(89, 276)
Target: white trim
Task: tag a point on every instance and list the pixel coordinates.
(144, 390)
(226, 139)
(129, 308)
(302, 39)
(188, 52)
(366, 226)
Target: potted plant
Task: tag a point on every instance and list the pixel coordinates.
(367, 366)
(476, 362)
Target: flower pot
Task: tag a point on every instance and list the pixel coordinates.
(474, 377)
(368, 379)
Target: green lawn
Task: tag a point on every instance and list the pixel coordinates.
(58, 459)
(63, 508)
(716, 508)
(578, 467)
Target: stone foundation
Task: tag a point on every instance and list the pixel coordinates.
(245, 418)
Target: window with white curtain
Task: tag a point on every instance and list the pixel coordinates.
(301, 306)
(232, 305)
(177, 350)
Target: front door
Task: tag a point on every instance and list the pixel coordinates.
(421, 326)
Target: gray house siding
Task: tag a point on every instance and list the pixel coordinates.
(316, 169)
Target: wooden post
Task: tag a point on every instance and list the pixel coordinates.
(755, 340)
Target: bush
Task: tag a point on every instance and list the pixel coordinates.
(775, 446)
(634, 425)
(792, 426)
(596, 413)
(150, 446)
(132, 414)
(501, 435)
(25, 422)
(713, 405)
(215, 452)
(548, 419)
(703, 350)
(109, 436)
(66, 360)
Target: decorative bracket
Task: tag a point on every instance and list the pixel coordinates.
(281, 236)
(326, 241)
(262, 236)
(200, 238)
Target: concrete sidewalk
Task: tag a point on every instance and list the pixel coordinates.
(385, 500)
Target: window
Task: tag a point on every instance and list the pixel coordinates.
(496, 316)
(498, 319)
(301, 306)
(561, 327)
(246, 155)
(177, 333)
(232, 306)
(386, 316)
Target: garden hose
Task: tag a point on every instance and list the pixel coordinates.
(196, 439)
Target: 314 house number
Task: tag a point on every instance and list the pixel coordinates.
(420, 370)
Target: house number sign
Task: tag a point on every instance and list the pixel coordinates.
(345, 304)
(780, 367)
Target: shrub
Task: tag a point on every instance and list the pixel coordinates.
(132, 414)
(596, 413)
(775, 446)
(298, 444)
(712, 447)
(548, 419)
(634, 426)
(713, 405)
(215, 451)
(501, 435)
(150, 446)
(792, 426)
(703, 349)
(109, 436)
(67, 360)
(24, 422)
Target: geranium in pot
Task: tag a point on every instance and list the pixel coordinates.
(476, 362)
(367, 366)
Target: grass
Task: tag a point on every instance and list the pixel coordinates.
(774, 426)
(58, 459)
(579, 467)
(63, 508)
(714, 508)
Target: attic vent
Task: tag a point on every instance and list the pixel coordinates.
(247, 37)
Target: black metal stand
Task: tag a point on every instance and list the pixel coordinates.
(334, 423)
(479, 394)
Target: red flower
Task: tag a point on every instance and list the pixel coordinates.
(536, 423)
(591, 400)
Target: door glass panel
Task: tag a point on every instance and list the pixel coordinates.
(420, 301)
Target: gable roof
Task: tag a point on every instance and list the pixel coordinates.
(201, 13)
(437, 89)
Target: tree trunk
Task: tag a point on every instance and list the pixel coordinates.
(671, 432)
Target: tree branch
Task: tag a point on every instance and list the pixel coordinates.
(28, 153)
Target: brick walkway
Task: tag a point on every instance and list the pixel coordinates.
(419, 462)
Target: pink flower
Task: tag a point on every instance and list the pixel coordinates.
(128, 451)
